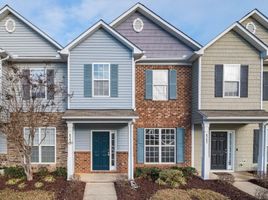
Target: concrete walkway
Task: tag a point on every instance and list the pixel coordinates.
(100, 191)
(250, 188)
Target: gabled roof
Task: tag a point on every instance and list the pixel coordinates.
(257, 15)
(6, 9)
(158, 20)
(247, 35)
(92, 29)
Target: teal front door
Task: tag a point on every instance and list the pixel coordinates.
(101, 149)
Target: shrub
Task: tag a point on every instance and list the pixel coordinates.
(14, 172)
(151, 173)
(42, 171)
(22, 185)
(171, 177)
(13, 181)
(206, 195)
(60, 171)
(49, 179)
(187, 171)
(171, 194)
(38, 184)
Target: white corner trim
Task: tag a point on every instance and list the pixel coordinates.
(133, 84)
(261, 82)
(68, 82)
(199, 81)
(192, 136)
(161, 22)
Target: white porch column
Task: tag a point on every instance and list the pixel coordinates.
(262, 158)
(130, 152)
(205, 150)
(70, 158)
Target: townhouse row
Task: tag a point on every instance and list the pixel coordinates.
(143, 93)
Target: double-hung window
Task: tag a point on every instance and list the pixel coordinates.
(101, 80)
(231, 80)
(3, 143)
(44, 145)
(160, 85)
(38, 87)
(160, 145)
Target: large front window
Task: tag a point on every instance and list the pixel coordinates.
(160, 84)
(38, 83)
(44, 145)
(231, 80)
(160, 145)
(101, 80)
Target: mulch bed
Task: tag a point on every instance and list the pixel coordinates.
(148, 188)
(63, 189)
(260, 182)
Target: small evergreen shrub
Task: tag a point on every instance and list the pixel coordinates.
(171, 177)
(201, 194)
(13, 181)
(49, 179)
(151, 173)
(22, 185)
(14, 172)
(61, 172)
(38, 185)
(171, 194)
(42, 171)
(187, 171)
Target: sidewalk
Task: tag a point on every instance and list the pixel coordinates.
(100, 191)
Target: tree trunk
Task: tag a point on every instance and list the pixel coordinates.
(28, 168)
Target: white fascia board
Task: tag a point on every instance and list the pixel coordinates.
(101, 24)
(257, 15)
(161, 22)
(101, 117)
(237, 27)
(237, 118)
(35, 28)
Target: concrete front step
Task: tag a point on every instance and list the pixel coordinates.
(101, 177)
(100, 191)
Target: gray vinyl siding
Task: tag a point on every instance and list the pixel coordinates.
(24, 41)
(83, 135)
(196, 118)
(231, 49)
(60, 79)
(155, 41)
(101, 47)
(261, 31)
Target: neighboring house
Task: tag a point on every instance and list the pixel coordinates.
(230, 99)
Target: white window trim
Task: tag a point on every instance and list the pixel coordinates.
(223, 84)
(45, 71)
(40, 145)
(167, 97)
(5, 151)
(93, 79)
(160, 145)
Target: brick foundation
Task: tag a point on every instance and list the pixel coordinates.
(83, 163)
(165, 114)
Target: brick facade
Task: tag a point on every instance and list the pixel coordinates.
(83, 163)
(12, 157)
(165, 114)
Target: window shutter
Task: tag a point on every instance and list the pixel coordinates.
(172, 85)
(26, 84)
(114, 80)
(50, 84)
(265, 86)
(255, 145)
(244, 81)
(180, 135)
(140, 145)
(88, 80)
(149, 84)
(218, 80)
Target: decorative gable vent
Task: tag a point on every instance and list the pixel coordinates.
(138, 25)
(251, 27)
(10, 25)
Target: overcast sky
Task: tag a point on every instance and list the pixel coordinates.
(201, 19)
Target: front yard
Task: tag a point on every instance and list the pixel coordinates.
(44, 186)
(192, 188)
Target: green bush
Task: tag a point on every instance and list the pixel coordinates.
(22, 185)
(151, 173)
(38, 184)
(42, 171)
(187, 171)
(13, 181)
(49, 179)
(206, 195)
(14, 172)
(171, 194)
(60, 171)
(171, 177)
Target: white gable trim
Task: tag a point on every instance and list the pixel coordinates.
(101, 24)
(253, 40)
(257, 15)
(161, 22)
(7, 9)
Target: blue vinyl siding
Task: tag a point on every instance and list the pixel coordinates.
(83, 137)
(101, 47)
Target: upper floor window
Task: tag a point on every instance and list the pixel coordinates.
(3, 144)
(101, 80)
(160, 84)
(231, 80)
(38, 88)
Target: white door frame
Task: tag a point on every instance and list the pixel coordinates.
(230, 135)
(111, 168)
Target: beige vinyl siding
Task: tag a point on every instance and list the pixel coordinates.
(243, 145)
(261, 31)
(231, 49)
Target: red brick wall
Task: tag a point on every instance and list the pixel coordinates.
(165, 114)
(83, 163)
